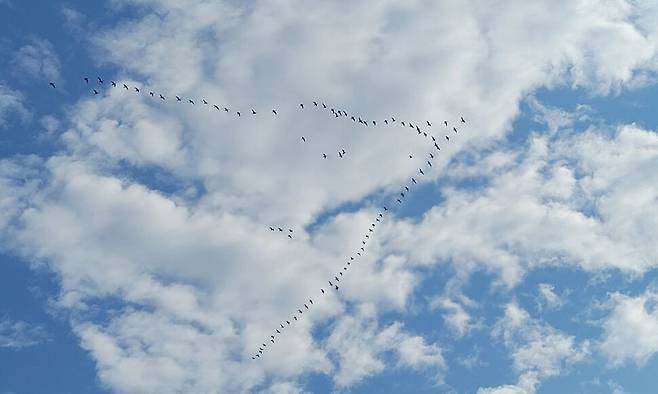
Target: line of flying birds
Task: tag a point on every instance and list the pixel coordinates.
(337, 113)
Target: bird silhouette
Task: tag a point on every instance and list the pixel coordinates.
(271, 228)
(52, 84)
(125, 86)
(114, 84)
(374, 123)
(280, 229)
(386, 121)
(86, 80)
(447, 138)
(204, 101)
(253, 112)
(431, 155)
(428, 123)
(454, 129)
(152, 94)
(137, 90)
(406, 188)
(421, 171)
(225, 109)
(315, 103)
(295, 317)
(322, 290)
(95, 91)
(324, 155)
(161, 97)
(445, 122)
(274, 111)
(216, 107)
(413, 180)
(190, 101)
(353, 120)
(403, 124)
(323, 106)
(303, 139)
(288, 321)
(289, 236)
(301, 105)
(392, 119)
(238, 112)
(398, 200)
(178, 98)
(306, 306)
(429, 163)
(463, 121)
(311, 301)
(100, 80)
(336, 287)
(436, 146)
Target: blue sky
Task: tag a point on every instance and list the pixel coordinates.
(135, 254)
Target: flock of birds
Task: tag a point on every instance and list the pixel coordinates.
(333, 283)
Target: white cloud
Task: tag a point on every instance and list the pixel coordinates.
(631, 329)
(456, 317)
(200, 279)
(548, 297)
(11, 102)
(538, 351)
(37, 60)
(360, 344)
(17, 334)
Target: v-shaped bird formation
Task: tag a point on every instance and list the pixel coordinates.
(334, 283)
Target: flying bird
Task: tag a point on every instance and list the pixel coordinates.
(280, 229)
(447, 138)
(225, 109)
(303, 139)
(137, 90)
(114, 84)
(322, 290)
(392, 119)
(190, 101)
(374, 123)
(406, 188)
(437, 146)
(386, 121)
(428, 123)
(323, 106)
(100, 80)
(178, 98)
(311, 301)
(398, 200)
(445, 122)
(315, 103)
(161, 96)
(463, 121)
(421, 171)
(429, 163)
(413, 180)
(52, 84)
(238, 112)
(204, 101)
(454, 129)
(152, 94)
(271, 228)
(253, 112)
(324, 155)
(95, 91)
(86, 79)
(306, 306)
(403, 124)
(274, 111)
(125, 86)
(216, 107)
(302, 105)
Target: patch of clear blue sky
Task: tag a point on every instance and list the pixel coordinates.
(62, 366)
